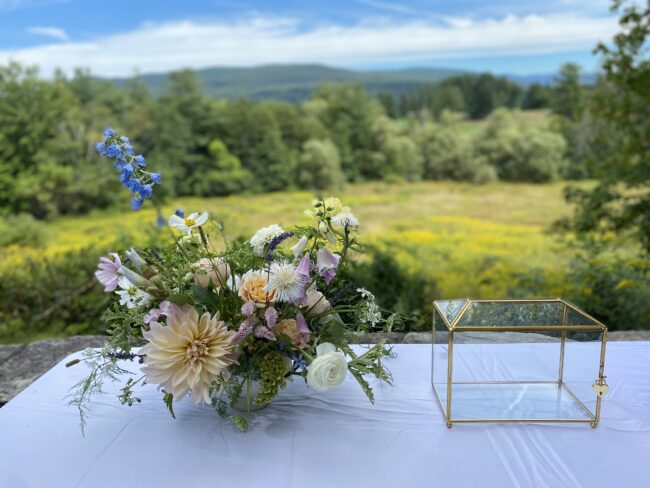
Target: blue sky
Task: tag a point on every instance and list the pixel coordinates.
(116, 38)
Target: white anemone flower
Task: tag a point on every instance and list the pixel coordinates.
(186, 224)
(288, 283)
(263, 237)
(131, 295)
(345, 219)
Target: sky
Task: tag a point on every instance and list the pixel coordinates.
(118, 38)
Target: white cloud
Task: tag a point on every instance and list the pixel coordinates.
(255, 40)
(11, 5)
(53, 32)
(391, 7)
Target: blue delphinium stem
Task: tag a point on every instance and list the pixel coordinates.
(131, 168)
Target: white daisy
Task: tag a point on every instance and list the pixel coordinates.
(263, 237)
(345, 219)
(188, 223)
(131, 295)
(288, 283)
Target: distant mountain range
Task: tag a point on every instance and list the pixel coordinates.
(296, 82)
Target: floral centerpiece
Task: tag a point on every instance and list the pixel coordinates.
(229, 324)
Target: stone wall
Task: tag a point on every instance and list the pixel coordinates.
(21, 364)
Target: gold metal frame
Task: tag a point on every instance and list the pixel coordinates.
(564, 328)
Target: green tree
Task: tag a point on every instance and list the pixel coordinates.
(567, 95)
(537, 96)
(349, 113)
(521, 154)
(223, 175)
(620, 203)
(320, 165)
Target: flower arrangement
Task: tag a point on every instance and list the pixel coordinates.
(229, 324)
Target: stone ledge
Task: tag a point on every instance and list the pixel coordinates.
(21, 364)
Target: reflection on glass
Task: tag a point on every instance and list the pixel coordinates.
(451, 308)
(512, 401)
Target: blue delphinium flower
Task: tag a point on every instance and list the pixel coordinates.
(136, 203)
(139, 182)
(180, 212)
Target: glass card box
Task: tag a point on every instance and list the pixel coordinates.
(536, 360)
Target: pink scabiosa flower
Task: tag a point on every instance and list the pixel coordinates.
(108, 274)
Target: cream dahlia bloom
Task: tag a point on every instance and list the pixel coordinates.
(188, 354)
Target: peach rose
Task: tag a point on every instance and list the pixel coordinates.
(289, 328)
(252, 288)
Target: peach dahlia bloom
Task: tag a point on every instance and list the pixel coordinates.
(188, 354)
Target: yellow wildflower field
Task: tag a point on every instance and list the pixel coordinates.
(470, 239)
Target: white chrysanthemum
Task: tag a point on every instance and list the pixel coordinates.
(289, 285)
(188, 354)
(345, 219)
(264, 236)
(131, 295)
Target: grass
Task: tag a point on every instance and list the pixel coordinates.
(471, 240)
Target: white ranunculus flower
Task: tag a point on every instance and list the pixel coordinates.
(328, 369)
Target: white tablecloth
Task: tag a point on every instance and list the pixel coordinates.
(306, 439)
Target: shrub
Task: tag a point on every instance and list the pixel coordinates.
(613, 288)
(51, 298)
(320, 165)
(22, 230)
(521, 154)
(396, 289)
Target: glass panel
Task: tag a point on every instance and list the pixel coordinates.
(512, 401)
(575, 317)
(517, 314)
(451, 308)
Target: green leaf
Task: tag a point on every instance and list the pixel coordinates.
(179, 299)
(206, 297)
(168, 398)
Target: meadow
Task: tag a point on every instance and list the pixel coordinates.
(466, 239)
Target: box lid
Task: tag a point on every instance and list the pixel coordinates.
(513, 315)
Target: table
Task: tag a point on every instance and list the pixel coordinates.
(337, 439)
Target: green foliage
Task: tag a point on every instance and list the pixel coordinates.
(449, 152)
(51, 297)
(476, 95)
(568, 97)
(320, 165)
(521, 154)
(613, 287)
(621, 201)
(22, 230)
(537, 96)
(222, 174)
(395, 288)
